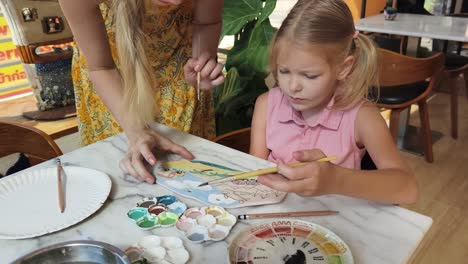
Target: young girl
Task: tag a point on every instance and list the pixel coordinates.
(323, 68)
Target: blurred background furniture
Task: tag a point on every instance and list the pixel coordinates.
(403, 82)
(19, 138)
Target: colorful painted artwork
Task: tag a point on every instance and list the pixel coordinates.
(183, 177)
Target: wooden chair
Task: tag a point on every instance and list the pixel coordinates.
(238, 140)
(19, 138)
(403, 82)
(455, 66)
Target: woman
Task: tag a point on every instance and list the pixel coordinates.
(137, 57)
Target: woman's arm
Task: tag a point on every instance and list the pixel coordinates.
(207, 25)
(87, 25)
(258, 146)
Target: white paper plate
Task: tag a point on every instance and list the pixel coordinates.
(29, 201)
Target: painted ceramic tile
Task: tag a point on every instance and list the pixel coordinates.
(183, 177)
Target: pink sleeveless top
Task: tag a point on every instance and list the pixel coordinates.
(333, 132)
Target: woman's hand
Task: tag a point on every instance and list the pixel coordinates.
(142, 142)
(313, 179)
(211, 72)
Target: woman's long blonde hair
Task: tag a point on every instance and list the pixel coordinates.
(138, 85)
(328, 24)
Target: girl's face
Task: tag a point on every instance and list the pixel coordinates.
(305, 77)
(167, 2)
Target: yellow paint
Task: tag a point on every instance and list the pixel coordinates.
(373, 7)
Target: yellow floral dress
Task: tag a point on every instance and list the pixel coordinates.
(170, 33)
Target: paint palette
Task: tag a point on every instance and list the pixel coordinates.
(289, 241)
(200, 224)
(156, 249)
(151, 212)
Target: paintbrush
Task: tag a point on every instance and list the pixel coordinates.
(60, 186)
(252, 174)
(286, 214)
(198, 73)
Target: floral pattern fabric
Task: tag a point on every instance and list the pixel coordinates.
(170, 33)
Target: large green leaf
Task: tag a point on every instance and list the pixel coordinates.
(252, 56)
(267, 10)
(237, 13)
(230, 89)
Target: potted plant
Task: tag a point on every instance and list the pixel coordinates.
(246, 62)
(390, 11)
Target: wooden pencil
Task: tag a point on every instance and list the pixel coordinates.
(61, 201)
(255, 173)
(286, 214)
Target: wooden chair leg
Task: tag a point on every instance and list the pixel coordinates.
(426, 130)
(465, 77)
(394, 122)
(453, 106)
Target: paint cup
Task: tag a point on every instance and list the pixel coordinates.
(148, 221)
(167, 219)
(167, 199)
(194, 213)
(215, 210)
(226, 219)
(137, 213)
(157, 209)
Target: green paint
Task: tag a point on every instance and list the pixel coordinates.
(168, 218)
(147, 221)
(335, 260)
(137, 213)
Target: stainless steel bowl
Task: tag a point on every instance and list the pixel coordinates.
(74, 252)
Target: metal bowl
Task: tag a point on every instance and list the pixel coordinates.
(81, 251)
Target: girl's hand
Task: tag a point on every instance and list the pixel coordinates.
(142, 142)
(313, 179)
(211, 72)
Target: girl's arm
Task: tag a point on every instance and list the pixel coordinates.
(393, 181)
(258, 146)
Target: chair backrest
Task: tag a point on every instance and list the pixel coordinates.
(238, 140)
(397, 69)
(19, 138)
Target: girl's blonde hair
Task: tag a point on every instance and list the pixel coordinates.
(329, 25)
(138, 85)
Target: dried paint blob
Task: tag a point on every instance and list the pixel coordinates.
(168, 219)
(206, 223)
(147, 221)
(157, 209)
(155, 249)
(137, 213)
(154, 212)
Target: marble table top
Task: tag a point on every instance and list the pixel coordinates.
(375, 233)
(434, 27)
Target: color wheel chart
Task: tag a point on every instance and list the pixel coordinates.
(289, 242)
